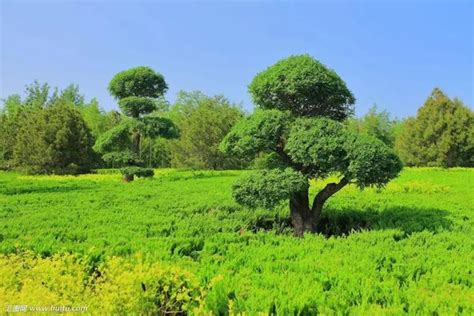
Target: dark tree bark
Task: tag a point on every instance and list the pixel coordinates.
(322, 196)
(301, 217)
(306, 219)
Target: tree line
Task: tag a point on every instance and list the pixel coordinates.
(58, 131)
(48, 130)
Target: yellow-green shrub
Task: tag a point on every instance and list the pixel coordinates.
(117, 286)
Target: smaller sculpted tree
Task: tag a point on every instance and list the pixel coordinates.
(301, 104)
(138, 91)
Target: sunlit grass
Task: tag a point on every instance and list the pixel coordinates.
(406, 247)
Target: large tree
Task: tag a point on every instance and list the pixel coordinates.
(138, 91)
(441, 134)
(54, 139)
(17, 112)
(300, 105)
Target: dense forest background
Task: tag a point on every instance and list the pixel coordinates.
(48, 130)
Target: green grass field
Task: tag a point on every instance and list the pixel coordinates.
(407, 248)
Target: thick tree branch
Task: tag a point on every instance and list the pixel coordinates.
(283, 155)
(326, 193)
(287, 159)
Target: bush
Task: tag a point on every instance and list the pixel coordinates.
(115, 286)
(138, 171)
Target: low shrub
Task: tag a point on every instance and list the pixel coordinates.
(115, 286)
(129, 173)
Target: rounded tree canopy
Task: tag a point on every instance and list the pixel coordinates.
(257, 133)
(138, 82)
(303, 86)
(319, 144)
(370, 161)
(266, 188)
(136, 106)
(323, 146)
(116, 138)
(155, 126)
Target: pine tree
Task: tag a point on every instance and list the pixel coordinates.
(441, 134)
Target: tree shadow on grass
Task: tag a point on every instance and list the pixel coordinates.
(342, 222)
(339, 222)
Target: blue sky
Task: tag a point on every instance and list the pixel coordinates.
(389, 52)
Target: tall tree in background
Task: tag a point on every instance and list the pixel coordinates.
(301, 104)
(17, 112)
(138, 91)
(376, 124)
(54, 139)
(441, 134)
(10, 115)
(203, 122)
(37, 97)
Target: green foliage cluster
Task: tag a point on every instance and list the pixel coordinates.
(371, 164)
(137, 171)
(203, 122)
(323, 147)
(134, 106)
(138, 82)
(377, 124)
(257, 133)
(54, 140)
(403, 249)
(303, 86)
(441, 134)
(116, 138)
(51, 131)
(267, 187)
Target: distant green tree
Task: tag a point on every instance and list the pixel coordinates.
(72, 95)
(441, 134)
(300, 103)
(376, 124)
(94, 117)
(203, 122)
(97, 120)
(139, 92)
(38, 97)
(54, 139)
(12, 105)
(156, 152)
(10, 114)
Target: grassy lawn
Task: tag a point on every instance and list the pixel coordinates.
(405, 248)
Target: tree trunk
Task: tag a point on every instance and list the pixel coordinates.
(301, 217)
(322, 196)
(305, 219)
(128, 177)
